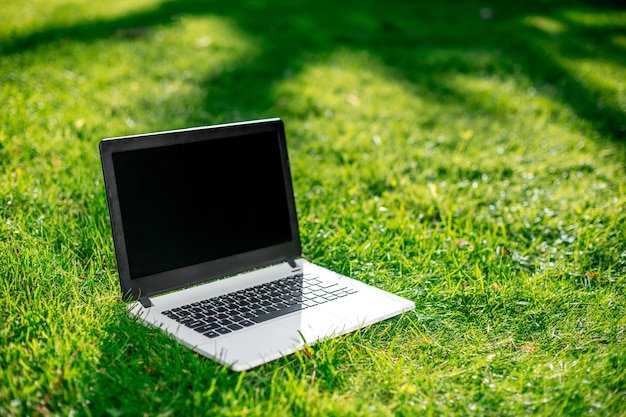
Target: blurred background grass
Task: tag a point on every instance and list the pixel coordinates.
(467, 155)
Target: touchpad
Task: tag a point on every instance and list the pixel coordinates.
(260, 343)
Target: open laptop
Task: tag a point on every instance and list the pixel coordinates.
(207, 245)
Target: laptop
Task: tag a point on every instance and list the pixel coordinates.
(208, 250)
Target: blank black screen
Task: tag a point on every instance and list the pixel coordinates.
(189, 203)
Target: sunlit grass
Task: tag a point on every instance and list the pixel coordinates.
(477, 171)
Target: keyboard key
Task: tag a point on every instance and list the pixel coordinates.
(259, 311)
(276, 313)
(207, 327)
(197, 325)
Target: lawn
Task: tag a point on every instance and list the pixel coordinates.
(467, 155)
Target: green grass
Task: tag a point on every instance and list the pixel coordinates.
(470, 156)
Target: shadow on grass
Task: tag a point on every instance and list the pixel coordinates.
(421, 43)
(140, 368)
(141, 371)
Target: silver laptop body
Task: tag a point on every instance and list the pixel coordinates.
(208, 249)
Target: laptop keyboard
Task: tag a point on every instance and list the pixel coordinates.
(244, 308)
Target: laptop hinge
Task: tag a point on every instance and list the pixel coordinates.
(145, 302)
(292, 263)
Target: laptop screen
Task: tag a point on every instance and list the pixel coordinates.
(190, 203)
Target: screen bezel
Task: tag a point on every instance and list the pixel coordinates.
(206, 271)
